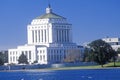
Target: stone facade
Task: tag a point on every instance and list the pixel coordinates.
(49, 38)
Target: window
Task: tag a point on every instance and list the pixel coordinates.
(36, 35)
(109, 39)
(29, 54)
(10, 53)
(51, 51)
(64, 51)
(39, 35)
(57, 51)
(26, 53)
(116, 43)
(42, 35)
(16, 52)
(43, 51)
(16, 58)
(119, 39)
(40, 57)
(45, 36)
(11, 59)
(40, 51)
(22, 52)
(60, 51)
(44, 57)
(54, 51)
(33, 36)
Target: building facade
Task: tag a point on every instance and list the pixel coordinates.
(49, 39)
(114, 42)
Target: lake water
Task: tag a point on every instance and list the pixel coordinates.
(86, 74)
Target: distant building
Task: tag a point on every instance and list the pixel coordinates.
(49, 38)
(114, 42)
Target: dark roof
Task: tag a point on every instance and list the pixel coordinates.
(50, 15)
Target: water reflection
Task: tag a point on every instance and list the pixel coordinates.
(62, 75)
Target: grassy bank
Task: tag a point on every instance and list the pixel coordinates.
(106, 66)
(109, 65)
(117, 64)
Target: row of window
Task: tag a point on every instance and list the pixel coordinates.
(62, 27)
(58, 20)
(56, 57)
(56, 51)
(13, 52)
(52, 51)
(41, 51)
(63, 35)
(114, 43)
(41, 58)
(38, 27)
(42, 20)
(13, 58)
(44, 27)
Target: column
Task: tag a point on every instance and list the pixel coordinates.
(40, 36)
(34, 37)
(58, 35)
(46, 36)
(63, 35)
(66, 35)
(37, 36)
(43, 36)
(70, 35)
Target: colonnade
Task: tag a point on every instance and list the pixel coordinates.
(40, 36)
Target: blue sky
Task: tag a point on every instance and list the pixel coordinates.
(91, 19)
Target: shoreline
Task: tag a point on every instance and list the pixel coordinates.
(62, 68)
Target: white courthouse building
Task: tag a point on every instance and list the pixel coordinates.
(114, 42)
(49, 38)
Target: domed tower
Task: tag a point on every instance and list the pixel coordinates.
(49, 28)
(49, 40)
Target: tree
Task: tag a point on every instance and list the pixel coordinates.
(88, 55)
(103, 52)
(23, 59)
(1, 59)
(118, 51)
(115, 55)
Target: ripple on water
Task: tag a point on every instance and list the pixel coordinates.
(22, 79)
(41, 79)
